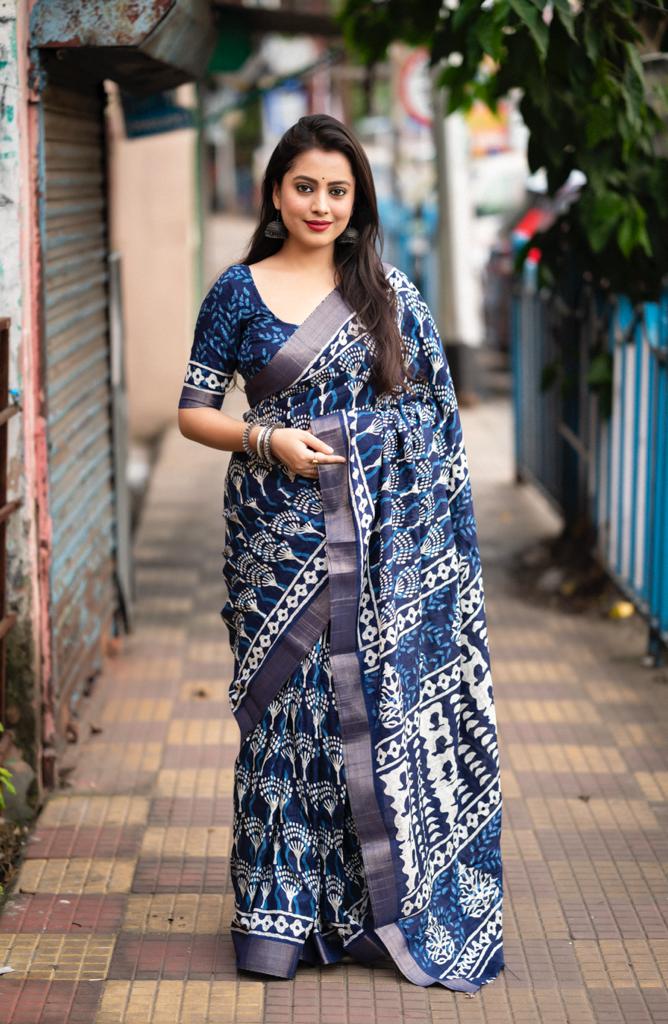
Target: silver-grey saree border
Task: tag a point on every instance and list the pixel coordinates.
(281, 661)
(289, 363)
(306, 343)
(344, 558)
(301, 348)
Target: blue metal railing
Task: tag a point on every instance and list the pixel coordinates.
(610, 471)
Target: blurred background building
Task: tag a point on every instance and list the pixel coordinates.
(134, 140)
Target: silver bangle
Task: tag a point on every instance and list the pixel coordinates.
(263, 443)
(259, 444)
(245, 439)
(269, 455)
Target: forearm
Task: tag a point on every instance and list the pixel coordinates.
(215, 429)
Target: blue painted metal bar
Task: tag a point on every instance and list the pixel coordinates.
(614, 471)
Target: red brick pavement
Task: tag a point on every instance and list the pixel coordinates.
(121, 910)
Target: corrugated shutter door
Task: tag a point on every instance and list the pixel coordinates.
(76, 308)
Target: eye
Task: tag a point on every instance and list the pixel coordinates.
(341, 191)
(302, 184)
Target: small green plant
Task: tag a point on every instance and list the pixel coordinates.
(5, 780)
(5, 784)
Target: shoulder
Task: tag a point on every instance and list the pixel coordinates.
(229, 295)
(233, 279)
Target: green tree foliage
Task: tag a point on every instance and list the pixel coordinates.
(586, 101)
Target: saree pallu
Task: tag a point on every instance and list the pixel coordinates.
(373, 572)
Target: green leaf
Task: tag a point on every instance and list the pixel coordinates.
(600, 124)
(533, 20)
(604, 213)
(566, 17)
(600, 370)
(490, 36)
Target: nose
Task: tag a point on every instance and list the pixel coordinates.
(320, 204)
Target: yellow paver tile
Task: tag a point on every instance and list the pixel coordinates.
(565, 758)
(178, 1002)
(94, 810)
(635, 734)
(650, 785)
(521, 843)
(137, 709)
(200, 732)
(197, 841)
(527, 671)
(510, 786)
(549, 711)
(154, 605)
(76, 875)
(613, 693)
(211, 652)
(53, 956)
(147, 669)
(141, 757)
(206, 914)
(194, 782)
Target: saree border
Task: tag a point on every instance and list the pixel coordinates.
(305, 343)
(301, 348)
(344, 558)
(309, 339)
(281, 661)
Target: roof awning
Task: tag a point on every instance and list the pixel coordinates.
(145, 47)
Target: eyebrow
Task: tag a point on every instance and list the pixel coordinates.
(340, 181)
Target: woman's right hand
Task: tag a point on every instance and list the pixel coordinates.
(296, 449)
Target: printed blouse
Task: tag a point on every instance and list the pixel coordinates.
(236, 331)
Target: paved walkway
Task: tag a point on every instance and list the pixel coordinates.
(121, 909)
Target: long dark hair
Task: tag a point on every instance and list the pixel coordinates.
(360, 277)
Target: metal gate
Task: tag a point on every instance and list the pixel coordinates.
(613, 471)
(78, 389)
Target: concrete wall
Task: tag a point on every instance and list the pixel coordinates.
(19, 276)
(154, 227)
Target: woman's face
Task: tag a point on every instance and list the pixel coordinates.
(319, 189)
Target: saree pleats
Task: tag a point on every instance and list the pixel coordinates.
(295, 834)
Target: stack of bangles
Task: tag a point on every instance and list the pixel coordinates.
(263, 445)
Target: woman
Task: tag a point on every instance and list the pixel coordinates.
(367, 806)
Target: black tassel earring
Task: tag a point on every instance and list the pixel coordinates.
(276, 228)
(350, 236)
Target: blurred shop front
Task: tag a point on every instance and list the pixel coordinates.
(70, 564)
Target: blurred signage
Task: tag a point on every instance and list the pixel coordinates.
(282, 107)
(488, 132)
(150, 115)
(415, 86)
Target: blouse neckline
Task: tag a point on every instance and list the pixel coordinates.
(270, 311)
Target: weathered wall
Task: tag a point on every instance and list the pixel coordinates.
(18, 282)
(153, 226)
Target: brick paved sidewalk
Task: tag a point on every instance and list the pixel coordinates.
(122, 906)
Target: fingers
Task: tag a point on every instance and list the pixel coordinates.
(319, 446)
(316, 442)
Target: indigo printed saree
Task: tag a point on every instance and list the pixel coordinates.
(367, 801)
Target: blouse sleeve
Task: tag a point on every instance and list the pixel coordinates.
(213, 355)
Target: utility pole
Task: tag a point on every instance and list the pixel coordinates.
(459, 293)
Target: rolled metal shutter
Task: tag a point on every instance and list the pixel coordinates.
(77, 359)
